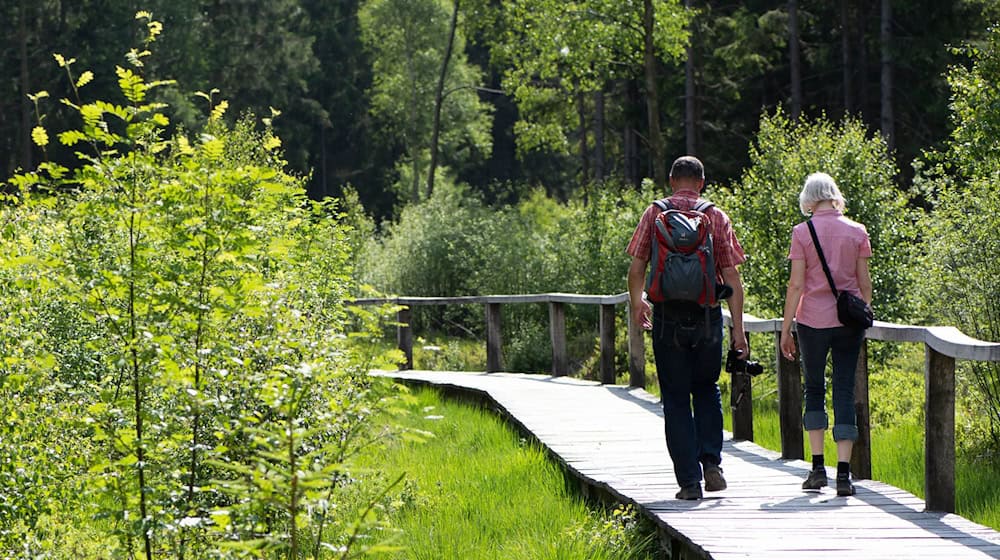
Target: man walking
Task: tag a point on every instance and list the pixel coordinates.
(687, 335)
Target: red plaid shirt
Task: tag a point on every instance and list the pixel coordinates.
(728, 251)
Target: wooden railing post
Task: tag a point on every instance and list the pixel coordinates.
(404, 335)
(607, 327)
(741, 402)
(861, 455)
(789, 403)
(557, 331)
(939, 440)
(494, 338)
(636, 352)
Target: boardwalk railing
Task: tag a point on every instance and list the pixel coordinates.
(942, 346)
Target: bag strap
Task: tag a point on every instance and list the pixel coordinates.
(822, 259)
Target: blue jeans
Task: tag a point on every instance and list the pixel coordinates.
(688, 353)
(843, 344)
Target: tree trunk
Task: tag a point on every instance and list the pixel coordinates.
(581, 112)
(653, 99)
(690, 107)
(846, 58)
(888, 121)
(864, 9)
(600, 169)
(630, 143)
(794, 58)
(439, 98)
(22, 42)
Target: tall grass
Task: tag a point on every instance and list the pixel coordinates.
(475, 490)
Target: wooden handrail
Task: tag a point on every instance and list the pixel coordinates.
(943, 345)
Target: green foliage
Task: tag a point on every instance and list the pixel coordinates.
(182, 367)
(764, 206)
(959, 237)
(504, 499)
(453, 244)
(957, 280)
(407, 41)
(554, 51)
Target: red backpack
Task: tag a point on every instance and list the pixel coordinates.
(682, 265)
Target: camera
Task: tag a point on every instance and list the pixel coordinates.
(737, 365)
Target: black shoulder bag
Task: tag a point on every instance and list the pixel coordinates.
(852, 311)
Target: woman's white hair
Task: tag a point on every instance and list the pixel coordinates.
(820, 187)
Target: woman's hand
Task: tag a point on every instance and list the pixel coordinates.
(787, 345)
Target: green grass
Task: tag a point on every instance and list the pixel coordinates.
(475, 490)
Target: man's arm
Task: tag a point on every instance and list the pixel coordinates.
(639, 308)
(731, 277)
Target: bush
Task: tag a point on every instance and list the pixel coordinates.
(453, 244)
(764, 206)
(957, 265)
(180, 377)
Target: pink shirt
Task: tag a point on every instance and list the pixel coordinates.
(844, 241)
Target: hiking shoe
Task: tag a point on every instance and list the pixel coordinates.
(692, 492)
(714, 481)
(844, 487)
(815, 480)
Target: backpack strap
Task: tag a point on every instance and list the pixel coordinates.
(703, 205)
(665, 204)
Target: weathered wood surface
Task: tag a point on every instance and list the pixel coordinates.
(611, 437)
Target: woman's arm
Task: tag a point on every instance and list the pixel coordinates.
(864, 280)
(793, 294)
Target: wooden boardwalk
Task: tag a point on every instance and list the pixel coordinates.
(611, 437)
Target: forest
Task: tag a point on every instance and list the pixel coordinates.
(555, 94)
(195, 192)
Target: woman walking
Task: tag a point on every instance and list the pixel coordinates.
(811, 302)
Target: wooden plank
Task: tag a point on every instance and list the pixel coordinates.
(955, 344)
(939, 437)
(607, 330)
(404, 336)
(494, 338)
(611, 439)
(741, 402)
(861, 454)
(557, 334)
(636, 352)
(789, 403)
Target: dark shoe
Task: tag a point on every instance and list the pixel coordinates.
(815, 480)
(844, 487)
(692, 492)
(714, 481)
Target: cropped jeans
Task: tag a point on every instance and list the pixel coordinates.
(688, 354)
(843, 344)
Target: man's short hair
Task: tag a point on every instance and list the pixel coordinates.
(687, 166)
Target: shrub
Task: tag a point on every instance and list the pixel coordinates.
(957, 267)
(764, 206)
(182, 341)
(453, 244)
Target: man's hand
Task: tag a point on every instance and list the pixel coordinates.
(639, 308)
(642, 315)
(740, 343)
